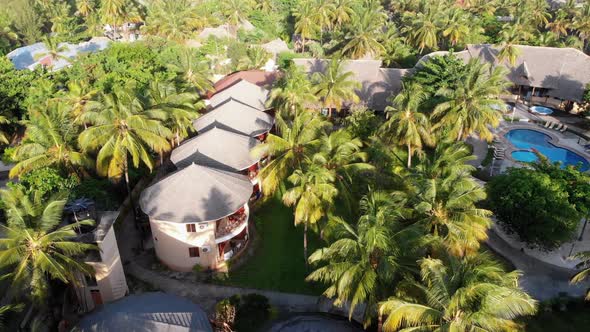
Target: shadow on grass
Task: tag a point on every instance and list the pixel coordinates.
(277, 263)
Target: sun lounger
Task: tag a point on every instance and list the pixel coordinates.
(559, 125)
(564, 128)
(547, 123)
(551, 125)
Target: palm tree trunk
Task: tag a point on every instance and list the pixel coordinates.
(128, 186)
(302, 44)
(409, 156)
(305, 242)
(460, 133)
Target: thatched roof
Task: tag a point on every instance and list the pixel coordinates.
(196, 194)
(235, 116)
(243, 91)
(216, 148)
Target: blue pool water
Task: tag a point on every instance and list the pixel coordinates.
(528, 140)
(541, 110)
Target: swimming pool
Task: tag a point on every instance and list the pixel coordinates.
(528, 140)
(541, 110)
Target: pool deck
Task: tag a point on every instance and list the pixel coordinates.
(558, 139)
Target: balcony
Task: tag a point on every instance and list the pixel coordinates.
(230, 226)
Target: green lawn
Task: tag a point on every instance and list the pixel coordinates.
(572, 320)
(278, 262)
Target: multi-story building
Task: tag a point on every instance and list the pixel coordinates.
(198, 215)
(108, 282)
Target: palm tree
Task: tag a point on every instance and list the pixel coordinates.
(236, 11)
(585, 272)
(334, 87)
(323, 13)
(509, 51)
(194, 74)
(5, 309)
(312, 194)
(35, 249)
(76, 97)
(424, 31)
(343, 11)
(470, 108)
(305, 24)
(293, 92)
(112, 12)
(122, 129)
(363, 37)
(3, 134)
(174, 20)
(368, 256)
(469, 294)
(54, 50)
(560, 24)
(457, 27)
(299, 140)
(85, 7)
(406, 124)
(256, 57)
(446, 207)
(536, 12)
(342, 153)
(50, 140)
(175, 109)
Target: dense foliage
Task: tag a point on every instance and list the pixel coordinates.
(543, 206)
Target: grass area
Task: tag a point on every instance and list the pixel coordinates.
(278, 262)
(573, 320)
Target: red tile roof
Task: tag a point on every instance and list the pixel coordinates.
(258, 77)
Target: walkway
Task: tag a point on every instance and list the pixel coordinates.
(542, 280)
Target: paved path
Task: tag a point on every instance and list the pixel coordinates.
(207, 295)
(541, 280)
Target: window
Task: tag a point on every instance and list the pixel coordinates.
(193, 252)
(191, 228)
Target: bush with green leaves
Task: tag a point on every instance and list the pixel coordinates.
(537, 206)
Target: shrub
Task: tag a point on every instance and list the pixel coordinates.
(252, 310)
(535, 206)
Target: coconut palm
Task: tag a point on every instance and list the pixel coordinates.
(536, 12)
(560, 24)
(175, 109)
(256, 58)
(194, 74)
(447, 159)
(54, 50)
(7, 308)
(312, 194)
(584, 273)
(342, 153)
(122, 129)
(424, 31)
(469, 294)
(446, 208)
(322, 17)
(457, 27)
(363, 37)
(343, 11)
(50, 140)
(299, 140)
(406, 125)
(334, 86)
(85, 7)
(236, 11)
(77, 96)
(174, 20)
(36, 249)
(3, 135)
(293, 92)
(511, 36)
(471, 107)
(305, 24)
(112, 11)
(368, 256)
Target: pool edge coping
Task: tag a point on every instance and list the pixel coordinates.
(555, 140)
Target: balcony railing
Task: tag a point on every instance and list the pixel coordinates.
(227, 225)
